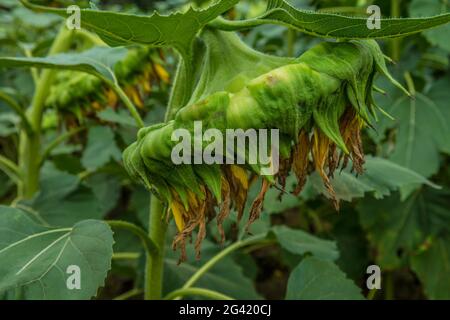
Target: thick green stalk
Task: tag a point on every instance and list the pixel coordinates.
(30, 145)
(62, 43)
(389, 293)
(155, 261)
(154, 268)
(291, 35)
(395, 43)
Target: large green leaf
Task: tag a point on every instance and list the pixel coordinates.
(107, 189)
(381, 176)
(101, 148)
(35, 259)
(299, 242)
(29, 19)
(352, 244)
(120, 117)
(422, 129)
(98, 61)
(421, 8)
(433, 268)
(118, 29)
(316, 279)
(397, 229)
(332, 25)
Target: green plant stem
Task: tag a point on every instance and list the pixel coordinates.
(233, 25)
(129, 294)
(149, 246)
(126, 255)
(410, 84)
(222, 254)
(62, 43)
(372, 293)
(10, 169)
(91, 37)
(214, 295)
(389, 287)
(344, 10)
(155, 261)
(396, 43)
(60, 139)
(130, 106)
(19, 110)
(34, 71)
(30, 145)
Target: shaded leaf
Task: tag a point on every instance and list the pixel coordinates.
(101, 148)
(316, 279)
(352, 244)
(397, 229)
(299, 242)
(433, 268)
(421, 129)
(46, 253)
(61, 200)
(422, 8)
(27, 18)
(106, 188)
(120, 116)
(381, 176)
(98, 61)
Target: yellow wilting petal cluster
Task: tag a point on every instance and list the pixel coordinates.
(197, 211)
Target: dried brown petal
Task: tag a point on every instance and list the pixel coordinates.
(300, 160)
(255, 211)
(320, 148)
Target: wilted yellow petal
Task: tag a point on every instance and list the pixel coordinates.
(112, 98)
(162, 73)
(135, 96)
(96, 105)
(178, 214)
(241, 175)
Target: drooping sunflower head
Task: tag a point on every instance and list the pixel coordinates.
(80, 95)
(319, 103)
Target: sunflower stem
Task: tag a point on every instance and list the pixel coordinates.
(30, 145)
(155, 260)
(214, 295)
(150, 247)
(396, 43)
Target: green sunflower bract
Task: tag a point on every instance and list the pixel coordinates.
(319, 102)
